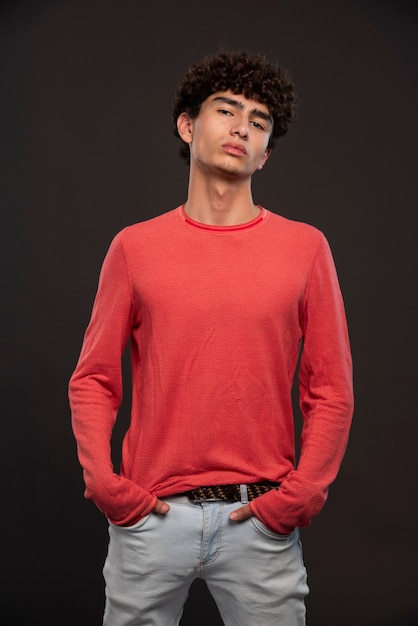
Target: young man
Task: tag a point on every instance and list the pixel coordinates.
(217, 297)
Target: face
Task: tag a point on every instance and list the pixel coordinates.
(229, 136)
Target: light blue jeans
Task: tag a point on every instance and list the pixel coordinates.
(256, 577)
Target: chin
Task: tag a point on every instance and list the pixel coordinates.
(229, 169)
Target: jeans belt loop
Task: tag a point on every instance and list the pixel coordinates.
(244, 494)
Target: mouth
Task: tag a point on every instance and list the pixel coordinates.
(236, 149)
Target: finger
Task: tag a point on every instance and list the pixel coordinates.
(241, 514)
(161, 507)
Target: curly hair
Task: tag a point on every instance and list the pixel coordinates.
(242, 73)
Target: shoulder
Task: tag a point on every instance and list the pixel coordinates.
(296, 235)
(158, 224)
(293, 227)
(143, 234)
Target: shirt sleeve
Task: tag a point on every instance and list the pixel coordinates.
(95, 393)
(326, 401)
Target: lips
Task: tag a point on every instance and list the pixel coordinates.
(235, 149)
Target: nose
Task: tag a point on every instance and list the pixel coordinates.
(240, 127)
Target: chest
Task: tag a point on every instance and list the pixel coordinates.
(226, 278)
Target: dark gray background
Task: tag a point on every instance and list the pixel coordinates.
(87, 148)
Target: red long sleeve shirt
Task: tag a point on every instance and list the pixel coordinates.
(216, 317)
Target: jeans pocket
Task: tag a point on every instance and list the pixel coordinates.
(267, 532)
(133, 527)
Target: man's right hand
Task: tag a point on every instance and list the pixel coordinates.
(161, 507)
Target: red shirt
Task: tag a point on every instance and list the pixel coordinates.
(216, 318)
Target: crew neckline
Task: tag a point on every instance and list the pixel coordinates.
(234, 227)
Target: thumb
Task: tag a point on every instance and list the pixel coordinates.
(241, 514)
(161, 507)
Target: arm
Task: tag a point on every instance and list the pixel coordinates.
(326, 400)
(95, 393)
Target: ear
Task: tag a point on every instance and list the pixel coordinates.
(264, 159)
(184, 127)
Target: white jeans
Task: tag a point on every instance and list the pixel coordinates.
(256, 577)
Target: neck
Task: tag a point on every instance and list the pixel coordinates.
(220, 203)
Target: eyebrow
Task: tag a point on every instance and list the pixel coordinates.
(235, 103)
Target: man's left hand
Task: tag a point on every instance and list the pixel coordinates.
(241, 514)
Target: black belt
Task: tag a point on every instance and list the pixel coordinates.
(230, 492)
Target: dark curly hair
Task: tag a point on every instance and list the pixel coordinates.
(242, 73)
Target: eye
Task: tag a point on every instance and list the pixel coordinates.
(224, 111)
(257, 125)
